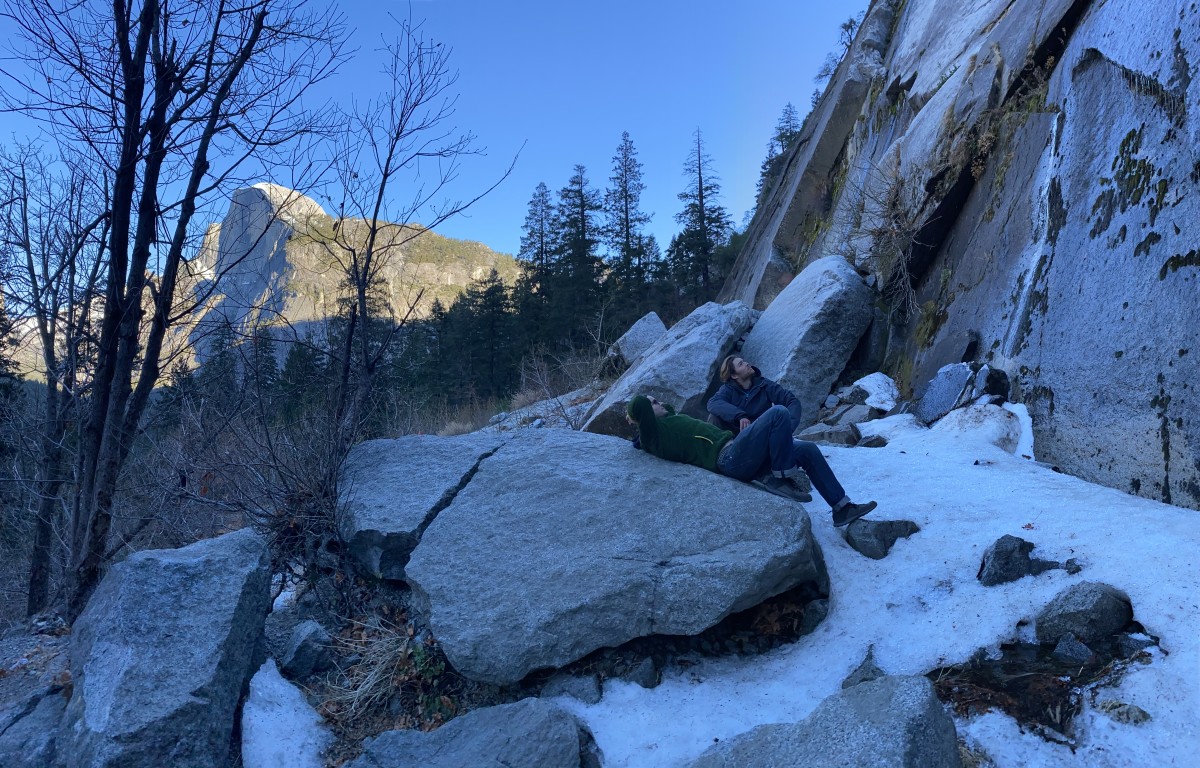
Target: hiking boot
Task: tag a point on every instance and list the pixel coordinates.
(799, 478)
(781, 486)
(849, 512)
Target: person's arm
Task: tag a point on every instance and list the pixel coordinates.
(780, 395)
(722, 407)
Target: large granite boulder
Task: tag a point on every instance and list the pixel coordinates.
(640, 337)
(896, 722)
(805, 337)
(161, 654)
(530, 733)
(566, 542)
(680, 368)
(384, 511)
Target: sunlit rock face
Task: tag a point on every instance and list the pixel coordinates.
(1028, 168)
(278, 260)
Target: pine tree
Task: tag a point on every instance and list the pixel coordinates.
(706, 227)
(537, 238)
(536, 257)
(787, 130)
(575, 294)
(623, 216)
(491, 343)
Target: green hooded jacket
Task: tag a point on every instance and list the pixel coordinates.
(676, 437)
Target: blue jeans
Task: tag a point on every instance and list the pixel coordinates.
(767, 444)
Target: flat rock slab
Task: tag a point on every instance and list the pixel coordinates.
(529, 733)
(893, 721)
(680, 368)
(809, 331)
(391, 489)
(160, 655)
(566, 542)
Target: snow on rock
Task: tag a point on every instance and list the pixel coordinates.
(982, 421)
(881, 391)
(279, 728)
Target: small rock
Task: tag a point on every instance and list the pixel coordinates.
(1072, 566)
(1007, 559)
(1089, 610)
(867, 671)
(1069, 649)
(1130, 645)
(645, 674)
(815, 612)
(585, 688)
(992, 381)
(875, 538)
(831, 402)
(847, 434)
(873, 441)
(308, 651)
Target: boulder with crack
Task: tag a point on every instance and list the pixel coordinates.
(385, 512)
(161, 654)
(566, 542)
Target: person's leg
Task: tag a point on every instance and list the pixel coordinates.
(808, 456)
(768, 439)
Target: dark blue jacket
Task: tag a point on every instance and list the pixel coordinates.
(731, 403)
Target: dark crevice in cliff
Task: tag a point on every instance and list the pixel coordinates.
(929, 239)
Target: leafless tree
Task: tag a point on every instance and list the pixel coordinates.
(53, 231)
(398, 159)
(167, 101)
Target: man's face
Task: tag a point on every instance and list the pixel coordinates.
(659, 408)
(740, 368)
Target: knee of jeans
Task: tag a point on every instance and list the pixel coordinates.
(779, 411)
(806, 448)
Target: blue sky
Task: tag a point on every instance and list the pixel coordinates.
(565, 78)
(558, 82)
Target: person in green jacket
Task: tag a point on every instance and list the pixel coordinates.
(768, 440)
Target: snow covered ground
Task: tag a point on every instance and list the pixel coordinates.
(922, 608)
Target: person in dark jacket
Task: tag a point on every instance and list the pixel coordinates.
(746, 394)
(768, 440)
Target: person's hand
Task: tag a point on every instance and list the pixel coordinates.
(743, 424)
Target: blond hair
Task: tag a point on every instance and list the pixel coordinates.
(727, 367)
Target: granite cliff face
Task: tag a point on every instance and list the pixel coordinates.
(278, 255)
(1019, 177)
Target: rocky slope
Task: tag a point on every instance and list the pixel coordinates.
(1018, 178)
